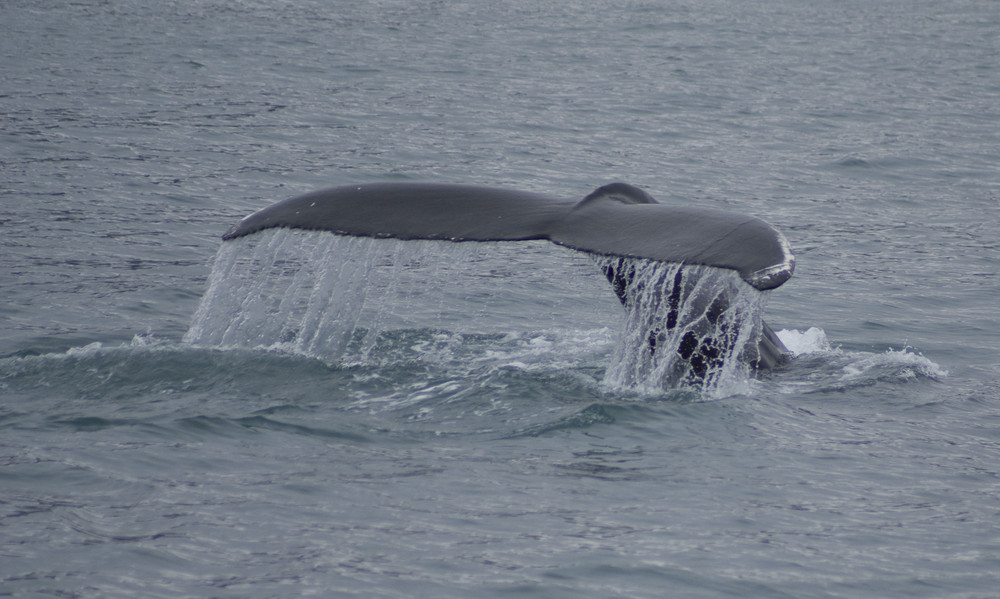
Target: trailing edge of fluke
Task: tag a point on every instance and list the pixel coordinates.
(617, 219)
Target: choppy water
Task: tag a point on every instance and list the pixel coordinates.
(484, 452)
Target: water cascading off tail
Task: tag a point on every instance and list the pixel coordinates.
(317, 293)
(332, 297)
(686, 327)
(286, 290)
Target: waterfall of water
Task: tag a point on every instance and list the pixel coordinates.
(331, 297)
(280, 289)
(686, 326)
(321, 295)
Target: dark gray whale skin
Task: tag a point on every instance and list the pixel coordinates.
(616, 220)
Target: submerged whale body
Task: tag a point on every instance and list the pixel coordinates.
(618, 223)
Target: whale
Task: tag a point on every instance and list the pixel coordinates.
(617, 221)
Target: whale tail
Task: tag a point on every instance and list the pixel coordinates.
(615, 220)
(620, 224)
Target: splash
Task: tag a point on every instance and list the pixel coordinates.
(279, 290)
(799, 343)
(836, 369)
(326, 295)
(351, 300)
(686, 327)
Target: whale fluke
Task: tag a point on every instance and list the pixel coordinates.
(618, 222)
(615, 220)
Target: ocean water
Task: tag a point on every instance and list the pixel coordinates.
(470, 435)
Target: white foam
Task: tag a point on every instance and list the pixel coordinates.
(902, 364)
(812, 340)
(88, 350)
(835, 368)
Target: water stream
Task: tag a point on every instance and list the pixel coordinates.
(346, 300)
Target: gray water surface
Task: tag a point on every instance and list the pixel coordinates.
(458, 460)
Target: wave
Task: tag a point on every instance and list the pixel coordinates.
(414, 384)
(819, 367)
